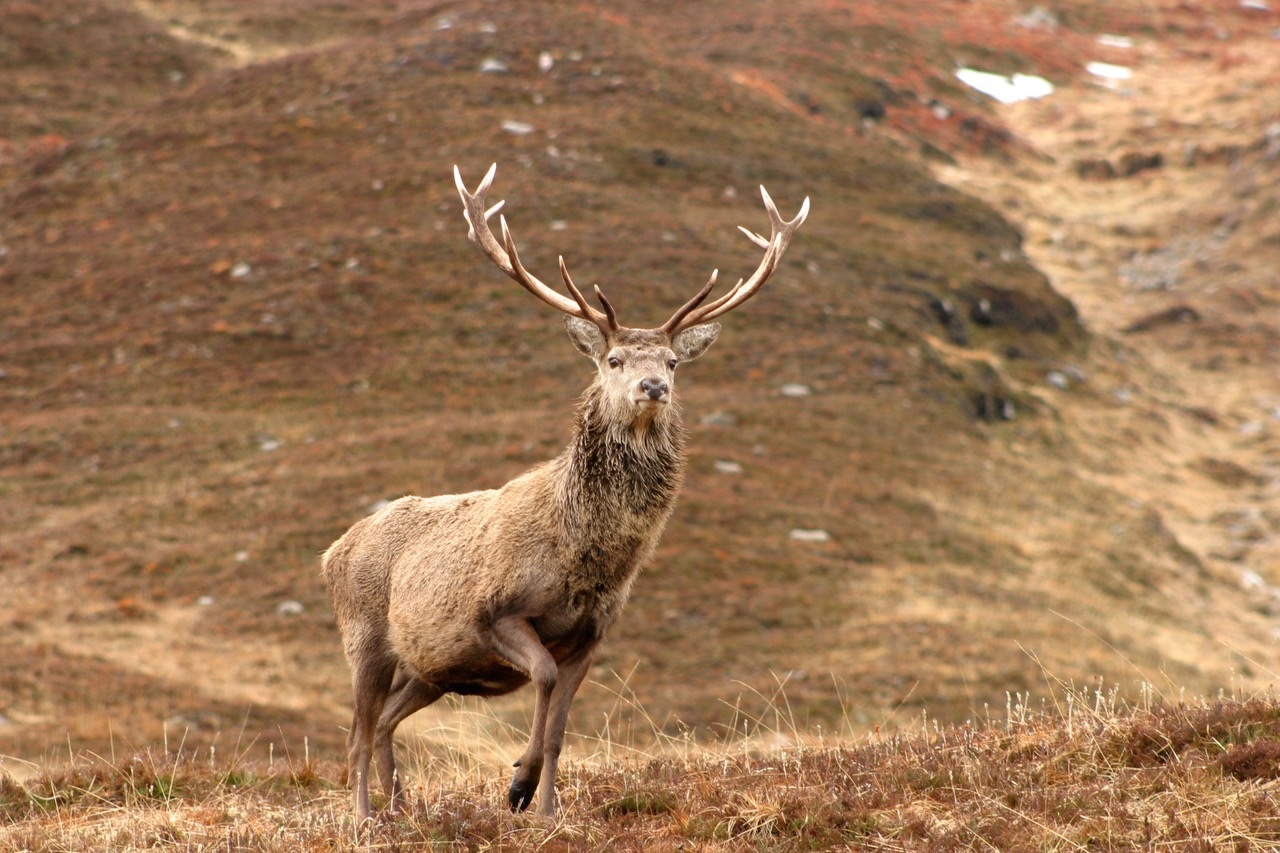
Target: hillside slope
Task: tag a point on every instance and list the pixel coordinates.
(243, 310)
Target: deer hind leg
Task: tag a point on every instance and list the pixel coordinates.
(516, 640)
(408, 696)
(371, 677)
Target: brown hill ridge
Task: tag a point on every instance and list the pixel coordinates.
(242, 310)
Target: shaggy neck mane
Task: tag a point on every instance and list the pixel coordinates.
(620, 466)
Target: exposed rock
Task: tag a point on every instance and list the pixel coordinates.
(1168, 317)
(1037, 18)
(1134, 162)
(949, 317)
(997, 306)
(1094, 169)
(719, 418)
(1228, 473)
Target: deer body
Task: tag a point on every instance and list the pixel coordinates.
(571, 542)
(484, 592)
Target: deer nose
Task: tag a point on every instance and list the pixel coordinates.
(655, 388)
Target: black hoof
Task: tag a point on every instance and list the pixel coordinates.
(520, 795)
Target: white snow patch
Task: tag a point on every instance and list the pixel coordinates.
(1006, 90)
(1107, 71)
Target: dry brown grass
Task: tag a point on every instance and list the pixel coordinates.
(1079, 770)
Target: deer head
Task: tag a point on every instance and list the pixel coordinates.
(636, 367)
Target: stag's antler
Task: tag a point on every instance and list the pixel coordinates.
(691, 315)
(504, 255)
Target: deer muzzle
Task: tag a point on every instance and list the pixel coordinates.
(654, 389)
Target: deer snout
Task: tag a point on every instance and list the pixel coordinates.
(654, 388)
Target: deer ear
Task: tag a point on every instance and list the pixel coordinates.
(693, 342)
(586, 336)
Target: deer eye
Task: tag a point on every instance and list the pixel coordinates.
(614, 361)
(672, 363)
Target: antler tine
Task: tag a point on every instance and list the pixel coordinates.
(780, 235)
(609, 313)
(608, 321)
(671, 325)
(775, 220)
(503, 253)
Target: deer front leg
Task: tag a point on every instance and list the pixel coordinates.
(572, 672)
(515, 639)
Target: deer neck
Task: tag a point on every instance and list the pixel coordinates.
(623, 469)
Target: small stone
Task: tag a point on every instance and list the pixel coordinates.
(726, 467)
(205, 601)
(1058, 380)
(1133, 162)
(802, 535)
(518, 128)
(493, 66)
(290, 608)
(267, 444)
(1037, 18)
(795, 389)
(546, 62)
(1094, 169)
(718, 418)
(241, 270)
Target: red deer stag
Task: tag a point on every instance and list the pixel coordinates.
(481, 593)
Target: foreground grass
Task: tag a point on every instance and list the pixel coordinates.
(1078, 773)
